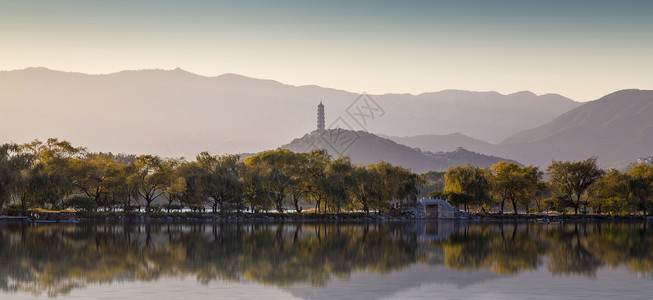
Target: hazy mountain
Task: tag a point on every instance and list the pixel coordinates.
(366, 148)
(618, 128)
(445, 142)
(177, 113)
(488, 116)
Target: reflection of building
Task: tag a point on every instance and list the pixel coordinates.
(320, 117)
(438, 209)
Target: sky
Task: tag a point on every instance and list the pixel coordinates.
(579, 49)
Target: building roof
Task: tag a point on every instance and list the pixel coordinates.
(429, 201)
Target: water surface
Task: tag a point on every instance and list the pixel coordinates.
(444, 260)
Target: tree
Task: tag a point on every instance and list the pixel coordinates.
(176, 183)
(279, 166)
(219, 180)
(397, 184)
(121, 188)
(612, 193)
(92, 174)
(51, 181)
(150, 178)
(513, 183)
(431, 181)
(13, 165)
(641, 185)
(570, 180)
(315, 182)
(338, 177)
(470, 181)
(366, 186)
(255, 189)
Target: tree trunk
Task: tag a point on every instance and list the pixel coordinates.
(147, 205)
(295, 201)
(514, 206)
(366, 208)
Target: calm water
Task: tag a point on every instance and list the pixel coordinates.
(431, 260)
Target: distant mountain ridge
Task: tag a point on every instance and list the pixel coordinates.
(617, 128)
(178, 113)
(367, 148)
(445, 142)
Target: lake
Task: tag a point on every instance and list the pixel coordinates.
(420, 260)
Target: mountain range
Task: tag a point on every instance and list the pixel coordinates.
(177, 113)
(617, 128)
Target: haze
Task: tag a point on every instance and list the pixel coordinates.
(579, 49)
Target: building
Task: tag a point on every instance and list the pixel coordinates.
(438, 209)
(320, 117)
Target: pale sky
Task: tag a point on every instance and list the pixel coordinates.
(579, 49)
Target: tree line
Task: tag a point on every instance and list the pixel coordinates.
(571, 186)
(54, 174)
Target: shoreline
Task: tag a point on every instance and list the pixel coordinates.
(190, 217)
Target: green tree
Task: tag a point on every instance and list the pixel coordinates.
(255, 189)
(51, 180)
(470, 181)
(338, 178)
(315, 182)
(510, 182)
(150, 178)
(641, 185)
(13, 168)
(570, 180)
(219, 180)
(92, 174)
(278, 166)
(612, 193)
(365, 187)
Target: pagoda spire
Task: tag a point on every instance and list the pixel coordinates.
(320, 117)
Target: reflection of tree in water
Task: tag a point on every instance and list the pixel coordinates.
(54, 259)
(502, 248)
(570, 254)
(57, 259)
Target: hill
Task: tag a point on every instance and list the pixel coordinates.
(445, 142)
(366, 148)
(177, 113)
(616, 128)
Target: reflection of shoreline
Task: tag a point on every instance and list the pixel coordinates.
(324, 256)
